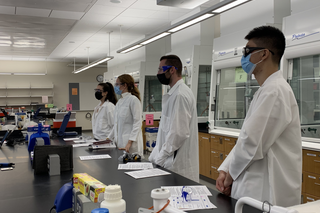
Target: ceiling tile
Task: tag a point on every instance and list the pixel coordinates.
(66, 14)
(106, 10)
(32, 12)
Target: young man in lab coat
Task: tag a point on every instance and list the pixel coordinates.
(177, 141)
(266, 163)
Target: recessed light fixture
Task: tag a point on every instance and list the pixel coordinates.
(115, 1)
(72, 42)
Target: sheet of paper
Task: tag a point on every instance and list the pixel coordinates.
(135, 166)
(196, 190)
(147, 173)
(44, 99)
(71, 139)
(195, 202)
(81, 145)
(94, 157)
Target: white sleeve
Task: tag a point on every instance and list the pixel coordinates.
(135, 107)
(268, 120)
(179, 129)
(110, 115)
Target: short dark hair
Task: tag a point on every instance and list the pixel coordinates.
(270, 38)
(173, 60)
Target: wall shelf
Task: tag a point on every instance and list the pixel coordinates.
(10, 95)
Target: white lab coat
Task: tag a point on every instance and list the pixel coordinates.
(266, 163)
(102, 120)
(127, 123)
(178, 131)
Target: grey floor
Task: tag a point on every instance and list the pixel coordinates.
(202, 181)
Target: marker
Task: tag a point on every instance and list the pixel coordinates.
(6, 164)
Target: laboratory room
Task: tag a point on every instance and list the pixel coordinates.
(113, 106)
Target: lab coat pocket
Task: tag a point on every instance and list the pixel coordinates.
(124, 111)
(165, 123)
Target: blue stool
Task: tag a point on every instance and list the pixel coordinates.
(39, 134)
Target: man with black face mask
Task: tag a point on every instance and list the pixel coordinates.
(177, 140)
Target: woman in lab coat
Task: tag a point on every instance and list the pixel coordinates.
(102, 119)
(128, 116)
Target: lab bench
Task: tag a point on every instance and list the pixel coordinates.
(22, 191)
(214, 148)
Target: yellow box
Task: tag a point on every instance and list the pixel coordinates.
(89, 186)
(97, 192)
(76, 177)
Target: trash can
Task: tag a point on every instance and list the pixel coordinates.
(151, 137)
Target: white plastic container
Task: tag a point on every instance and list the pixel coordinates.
(113, 199)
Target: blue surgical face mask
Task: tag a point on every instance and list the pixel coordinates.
(117, 90)
(247, 65)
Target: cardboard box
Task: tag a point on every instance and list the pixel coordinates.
(89, 186)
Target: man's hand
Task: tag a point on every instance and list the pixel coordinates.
(127, 148)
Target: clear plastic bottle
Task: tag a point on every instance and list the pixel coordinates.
(113, 199)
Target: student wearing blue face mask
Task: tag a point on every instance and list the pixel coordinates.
(266, 163)
(127, 133)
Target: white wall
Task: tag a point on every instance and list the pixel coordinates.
(298, 6)
(58, 74)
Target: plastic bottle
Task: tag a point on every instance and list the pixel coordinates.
(113, 200)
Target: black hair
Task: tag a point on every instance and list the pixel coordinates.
(111, 96)
(173, 60)
(270, 38)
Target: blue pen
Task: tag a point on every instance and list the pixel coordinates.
(6, 164)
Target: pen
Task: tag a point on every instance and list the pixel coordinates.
(6, 164)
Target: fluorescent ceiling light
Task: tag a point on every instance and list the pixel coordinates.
(155, 38)
(95, 63)
(5, 73)
(189, 23)
(31, 73)
(131, 48)
(229, 6)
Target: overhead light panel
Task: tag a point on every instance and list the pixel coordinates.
(189, 23)
(5, 73)
(30, 73)
(131, 48)
(194, 19)
(155, 38)
(95, 63)
(229, 6)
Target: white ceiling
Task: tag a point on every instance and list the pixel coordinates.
(66, 29)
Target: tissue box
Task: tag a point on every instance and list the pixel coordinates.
(89, 186)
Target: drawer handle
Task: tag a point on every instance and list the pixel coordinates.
(309, 198)
(213, 137)
(205, 138)
(317, 161)
(317, 184)
(221, 156)
(311, 177)
(313, 155)
(220, 140)
(227, 139)
(213, 167)
(213, 152)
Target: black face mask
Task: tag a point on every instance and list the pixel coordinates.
(98, 95)
(163, 79)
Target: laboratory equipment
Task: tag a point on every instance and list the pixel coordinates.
(61, 132)
(267, 207)
(113, 199)
(100, 210)
(39, 134)
(63, 201)
(160, 202)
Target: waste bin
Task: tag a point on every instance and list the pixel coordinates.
(151, 137)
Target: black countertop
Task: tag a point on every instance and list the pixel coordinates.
(22, 191)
